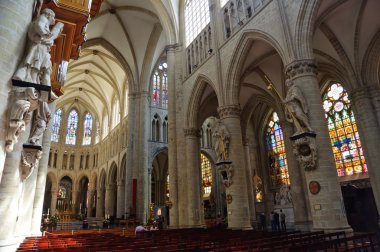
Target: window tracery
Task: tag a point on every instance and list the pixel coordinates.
(344, 135)
(56, 125)
(87, 132)
(278, 166)
(197, 16)
(72, 126)
(160, 86)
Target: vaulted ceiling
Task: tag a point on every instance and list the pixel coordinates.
(124, 41)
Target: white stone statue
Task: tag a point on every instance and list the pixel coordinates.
(41, 119)
(222, 140)
(296, 109)
(284, 196)
(36, 67)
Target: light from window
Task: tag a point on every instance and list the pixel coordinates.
(197, 16)
(87, 129)
(223, 2)
(72, 126)
(160, 86)
(167, 188)
(56, 126)
(97, 133)
(278, 167)
(206, 176)
(344, 135)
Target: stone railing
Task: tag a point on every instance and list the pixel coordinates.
(199, 50)
(236, 13)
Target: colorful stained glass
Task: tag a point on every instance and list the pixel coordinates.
(87, 129)
(206, 176)
(72, 126)
(160, 86)
(344, 136)
(56, 126)
(279, 174)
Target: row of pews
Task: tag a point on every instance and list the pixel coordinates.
(202, 240)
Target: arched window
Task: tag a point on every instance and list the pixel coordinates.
(197, 16)
(160, 86)
(56, 126)
(344, 135)
(87, 129)
(72, 126)
(278, 166)
(206, 176)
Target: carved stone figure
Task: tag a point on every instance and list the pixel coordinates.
(305, 149)
(41, 119)
(36, 66)
(222, 140)
(284, 196)
(296, 109)
(227, 172)
(30, 158)
(24, 101)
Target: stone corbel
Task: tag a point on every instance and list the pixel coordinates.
(30, 157)
(305, 149)
(227, 172)
(24, 98)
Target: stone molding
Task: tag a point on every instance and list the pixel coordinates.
(301, 68)
(173, 48)
(229, 111)
(192, 132)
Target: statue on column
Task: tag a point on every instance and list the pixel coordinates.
(41, 119)
(36, 66)
(296, 109)
(222, 140)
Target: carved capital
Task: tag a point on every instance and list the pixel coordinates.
(229, 111)
(300, 68)
(192, 132)
(173, 48)
(30, 157)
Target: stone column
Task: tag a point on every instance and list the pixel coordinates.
(194, 197)
(374, 91)
(172, 137)
(53, 202)
(100, 203)
(238, 209)
(120, 198)
(110, 199)
(298, 187)
(327, 206)
(251, 198)
(369, 132)
(74, 203)
(15, 17)
(90, 202)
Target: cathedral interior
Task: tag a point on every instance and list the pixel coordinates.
(194, 110)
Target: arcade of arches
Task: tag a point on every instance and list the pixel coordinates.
(137, 122)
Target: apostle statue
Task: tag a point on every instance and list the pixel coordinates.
(222, 140)
(36, 67)
(41, 119)
(296, 109)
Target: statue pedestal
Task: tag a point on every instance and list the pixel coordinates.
(30, 157)
(226, 170)
(305, 149)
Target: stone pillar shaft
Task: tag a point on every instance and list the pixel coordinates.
(110, 200)
(327, 207)
(251, 198)
(302, 218)
(120, 198)
(90, 203)
(194, 197)
(53, 202)
(238, 209)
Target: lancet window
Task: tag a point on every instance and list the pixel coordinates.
(206, 176)
(278, 167)
(160, 86)
(72, 126)
(87, 129)
(56, 126)
(344, 135)
(197, 16)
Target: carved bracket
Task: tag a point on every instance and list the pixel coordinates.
(227, 172)
(25, 97)
(305, 149)
(30, 157)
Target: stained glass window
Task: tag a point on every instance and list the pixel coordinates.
(72, 126)
(167, 188)
(56, 125)
(160, 86)
(344, 135)
(197, 16)
(206, 176)
(87, 129)
(279, 174)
